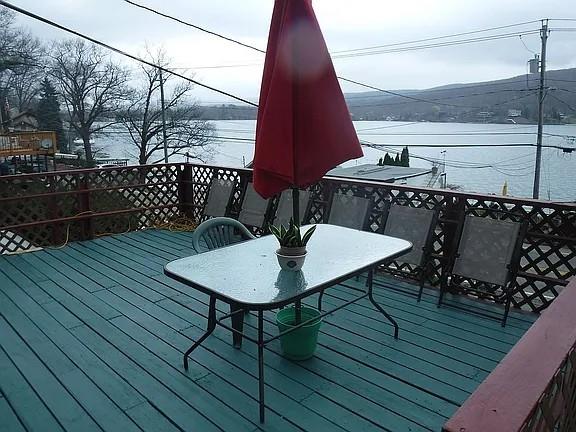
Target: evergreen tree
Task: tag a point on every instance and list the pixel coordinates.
(405, 157)
(397, 160)
(388, 160)
(48, 113)
(380, 162)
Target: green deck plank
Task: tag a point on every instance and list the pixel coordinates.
(343, 375)
(518, 319)
(360, 378)
(92, 399)
(70, 272)
(157, 314)
(143, 250)
(365, 312)
(228, 382)
(123, 274)
(101, 279)
(31, 271)
(284, 403)
(8, 419)
(66, 318)
(432, 319)
(184, 239)
(58, 280)
(24, 399)
(120, 392)
(184, 415)
(102, 265)
(163, 331)
(461, 319)
(119, 256)
(410, 333)
(68, 411)
(164, 244)
(149, 418)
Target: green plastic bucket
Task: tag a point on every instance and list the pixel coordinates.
(299, 344)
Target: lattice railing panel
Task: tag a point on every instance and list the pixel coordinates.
(156, 192)
(556, 408)
(51, 208)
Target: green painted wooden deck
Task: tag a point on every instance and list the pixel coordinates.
(92, 335)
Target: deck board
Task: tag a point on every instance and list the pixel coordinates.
(93, 335)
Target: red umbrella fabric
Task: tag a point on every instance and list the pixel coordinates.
(304, 128)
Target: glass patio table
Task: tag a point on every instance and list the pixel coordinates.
(247, 277)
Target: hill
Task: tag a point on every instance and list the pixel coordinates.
(508, 100)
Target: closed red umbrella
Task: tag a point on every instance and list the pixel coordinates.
(304, 128)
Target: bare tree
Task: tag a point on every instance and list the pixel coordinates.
(185, 132)
(91, 85)
(20, 64)
(26, 76)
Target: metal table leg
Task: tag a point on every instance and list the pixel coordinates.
(209, 329)
(237, 324)
(377, 306)
(261, 364)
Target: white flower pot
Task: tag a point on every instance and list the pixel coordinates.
(291, 259)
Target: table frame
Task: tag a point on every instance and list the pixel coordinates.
(238, 309)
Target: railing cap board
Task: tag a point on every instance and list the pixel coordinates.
(508, 395)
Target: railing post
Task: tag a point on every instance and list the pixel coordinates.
(186, 191)
(453, 212)
(85, 207)
(53, 212)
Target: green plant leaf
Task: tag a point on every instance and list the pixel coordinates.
(307, 235)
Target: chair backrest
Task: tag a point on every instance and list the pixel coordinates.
(349, 211)
(486, 249)
(218, 197)
(413, 224)
(254, 208)
(219, 232)
(284, 211)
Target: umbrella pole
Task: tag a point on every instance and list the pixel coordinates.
(296, 219)
(296, 206)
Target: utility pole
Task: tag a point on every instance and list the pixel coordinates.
(541, 96)
(165, 141)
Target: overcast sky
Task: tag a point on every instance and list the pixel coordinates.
(346, 25)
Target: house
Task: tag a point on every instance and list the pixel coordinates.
(24, 121)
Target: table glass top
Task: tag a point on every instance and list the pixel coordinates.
(248, 272)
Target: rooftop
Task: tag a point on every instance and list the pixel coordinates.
(386, 173)
(93, 335)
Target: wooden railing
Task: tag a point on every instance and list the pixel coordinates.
(28, 143)
(534, 388)
(51, 208)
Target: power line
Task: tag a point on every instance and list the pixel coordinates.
(119, 51)
(341, 78)
(562, 101)
(195, 26)
(438, 37)
(438, 45)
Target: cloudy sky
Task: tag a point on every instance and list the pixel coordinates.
(347, 25)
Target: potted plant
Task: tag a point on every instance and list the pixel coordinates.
(292, 251)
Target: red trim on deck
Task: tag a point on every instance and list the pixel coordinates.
(509, 394)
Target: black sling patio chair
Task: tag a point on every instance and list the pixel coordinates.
(349, 211)
(487, 257)
(219, 197)
(284, 210)
(417, 226)
(216, 233)
(255, 209)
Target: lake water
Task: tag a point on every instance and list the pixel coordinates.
(474, 169)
